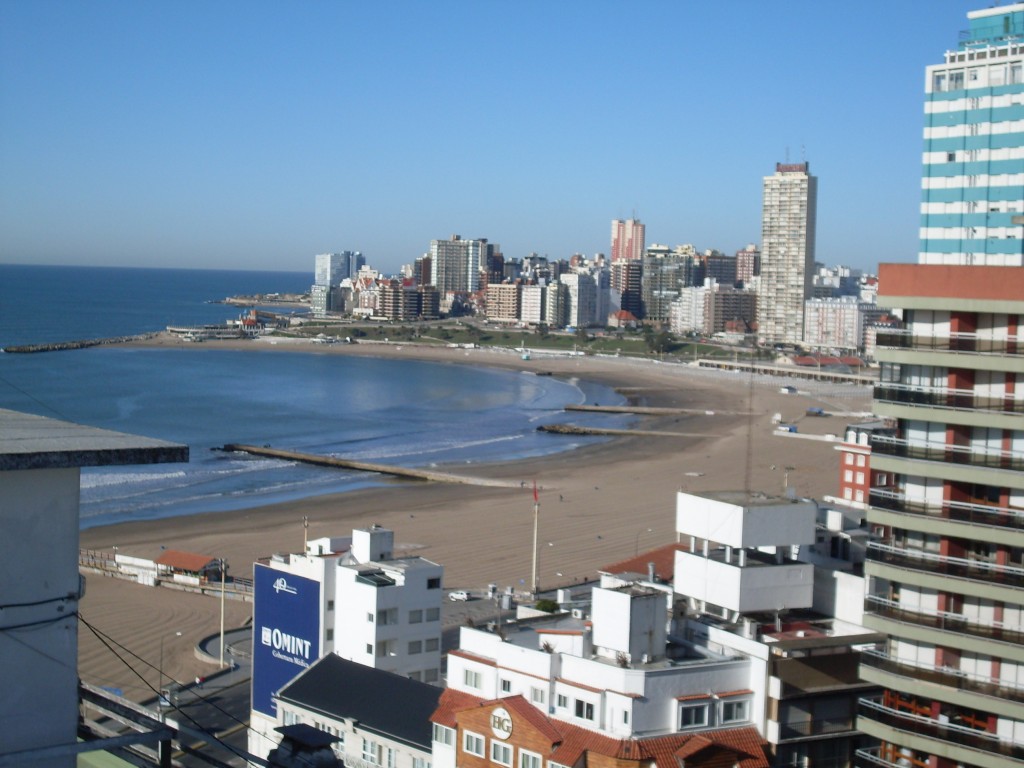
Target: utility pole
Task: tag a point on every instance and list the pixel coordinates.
(223, 570)
(536, 518)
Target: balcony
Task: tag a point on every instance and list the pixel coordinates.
(967, 738)
(943, 397)
(944, 621)
(832, 726)
(885, 445)
(958, 511)
(905, 338)
(944, 676)
(978, 570)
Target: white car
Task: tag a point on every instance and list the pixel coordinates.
(458, 596)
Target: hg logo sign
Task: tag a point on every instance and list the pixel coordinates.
(281, 585)
(501, 723)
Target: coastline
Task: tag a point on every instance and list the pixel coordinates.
(599, 503)
(705, 450)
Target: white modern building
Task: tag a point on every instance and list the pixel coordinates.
(581, 299)
(350, 596)
(838, 323)
(532, 304)
(788, 221)
(455, 266)
(329, 269)
(686, 315)
(973, 181)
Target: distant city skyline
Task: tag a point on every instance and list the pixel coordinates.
(256, 135)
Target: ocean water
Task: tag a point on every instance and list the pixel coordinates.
(400, 412)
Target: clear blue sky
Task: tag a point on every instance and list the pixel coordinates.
(253, 135)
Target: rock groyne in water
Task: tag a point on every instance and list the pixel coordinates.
(58, 346)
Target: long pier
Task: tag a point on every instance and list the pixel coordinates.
(641, 410)
(365, 466)
(572, 429)
(58, 346)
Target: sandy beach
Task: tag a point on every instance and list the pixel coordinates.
(598, 504)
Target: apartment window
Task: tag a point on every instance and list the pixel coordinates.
(528, 759)
(417, 676)
(443, 735)
(848, 476)
(419, 762)
(860, 495)
(849, 458)
(501, 753)
(506, 686)
(431, 675)
(734, 711)
(330, 635)
(473, 744)
(369, 648)
(693, 716)
(369, 617)
(430, 644)
(330, 605)
(371, 752)
(562, 701)
(387, 617)
(471, 678)
(860, 478)
(537, 695)
(433, 614)
(415, 646)
(389, 757)
(290, 718)
(584, 709)
(434, 583)
(861, 460)
(415, 617)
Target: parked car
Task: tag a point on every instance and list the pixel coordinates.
(458, 595)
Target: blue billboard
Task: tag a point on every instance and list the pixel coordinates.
(285, 632)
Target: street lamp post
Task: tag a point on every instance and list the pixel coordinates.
(160, 690)
(223, 570)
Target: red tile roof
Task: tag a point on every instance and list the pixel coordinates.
(664, 559)
(185, 561)
(451, 702)
(473, 657)
(570, 742)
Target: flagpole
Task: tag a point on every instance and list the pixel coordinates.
(536, 516)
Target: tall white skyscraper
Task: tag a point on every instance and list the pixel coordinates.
(455, 266)
(973, 181)
(329, 269)
(788, 218)
(946, 575)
